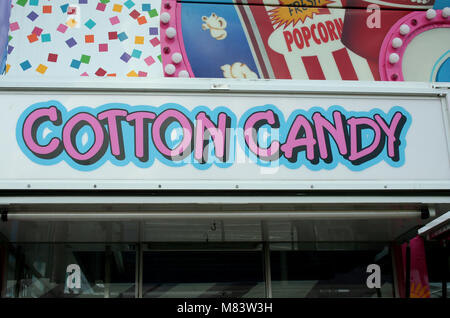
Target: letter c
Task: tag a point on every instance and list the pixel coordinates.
(29, 131)
(251, 128)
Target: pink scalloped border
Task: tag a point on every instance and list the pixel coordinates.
(170, 46)
(394, 72)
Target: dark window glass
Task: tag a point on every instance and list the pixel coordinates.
(438, 260)
(203, 274)
(47, 271)
(330, 273)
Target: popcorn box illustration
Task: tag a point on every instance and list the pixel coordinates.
(308, 39)
(285, 41)
(330, 40)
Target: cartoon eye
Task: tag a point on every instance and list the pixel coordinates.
(204, 18)
(213, 15)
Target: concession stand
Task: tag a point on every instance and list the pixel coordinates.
(139, 161)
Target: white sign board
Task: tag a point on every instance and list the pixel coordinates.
(191, 140)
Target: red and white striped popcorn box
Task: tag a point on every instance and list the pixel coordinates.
(303, 42)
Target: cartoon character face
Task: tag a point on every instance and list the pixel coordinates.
(238, 70)
(216, 26)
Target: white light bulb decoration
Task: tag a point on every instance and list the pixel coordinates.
(165, 17)
(177, 57)
(396, 43)
(394, 58)
(431, 14)
(183, 73)
(446, 12)
(404, 29)
(170, 69)
(171, 32)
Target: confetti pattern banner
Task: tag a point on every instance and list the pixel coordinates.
(61, 38)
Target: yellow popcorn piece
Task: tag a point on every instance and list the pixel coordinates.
(132, 74)
(139, 40)
(41, 69)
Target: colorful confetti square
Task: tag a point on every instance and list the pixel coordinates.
(72, 10)
(146, 7)
(100, 72)
(117, 8)
(8, 66)
(25, 65)
(160, 58)
(46, 37)
(84, 74)
(34, 2)
(71, 42)
(14, 26)
(37, 31)
(153, 13)
(112, 35)
(32, 16)
(103, 47)
(142, 74)
(136, 53)
(142, 20)
(32, 38)
(52, 57)
(114, 20)
(101, 6)
(132, 74)
(89, 38)
(112, 75)
(153, 31)
(85, 59)
(125, 57)
(64, 8)
(62, 28)
(75, 64)
(82, 1)
(129, 4)
(149, 60)
(47, 9)
(122, 36)
(90, 24)
(104, 1)
(134, 14)
(22, 2)
(41, 69)
(10, 49)
(154, 41)
(139, 40)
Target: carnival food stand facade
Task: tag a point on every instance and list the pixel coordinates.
(243, 149)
